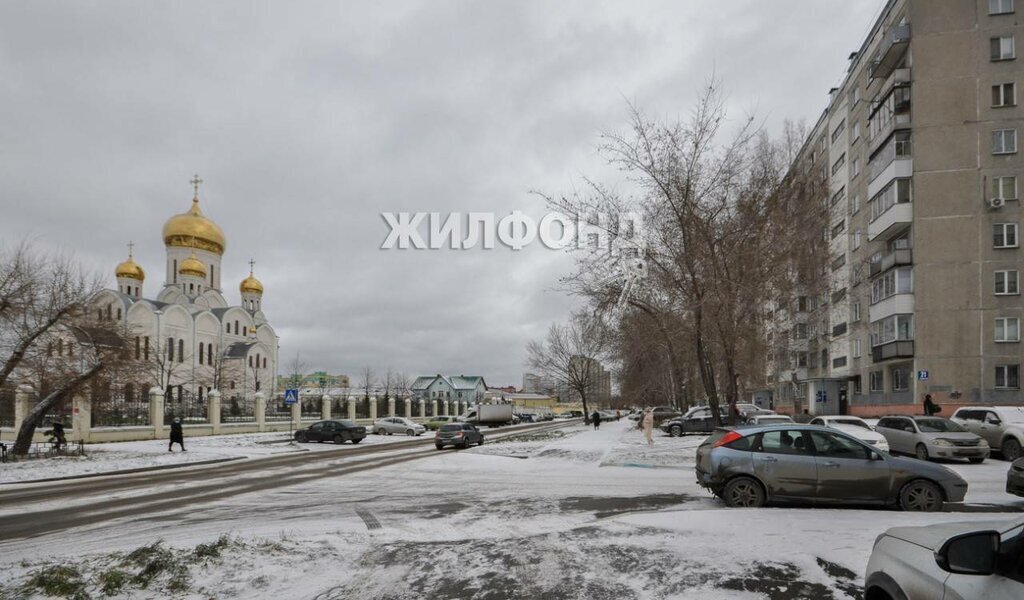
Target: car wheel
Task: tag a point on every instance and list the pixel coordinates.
(438, 446)
(675, 431)
(410, 432)
(1011, 450)
(744, 492)
(481, 442)
(301, 437)
(381, 431)
(921, 452)
(462, 446)
(356, 440)
(339, 439)
(921, 496)
(976, 461)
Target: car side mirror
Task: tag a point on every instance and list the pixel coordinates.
(972, 553)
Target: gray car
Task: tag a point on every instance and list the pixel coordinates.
(953, 561)
(754, 465)
(1001, 426)
(389, 425)
(931, 437)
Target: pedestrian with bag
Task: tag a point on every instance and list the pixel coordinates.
(177, 436)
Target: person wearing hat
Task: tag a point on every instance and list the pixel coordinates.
(177, 436)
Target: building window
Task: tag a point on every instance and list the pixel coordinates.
(838, 164)
(857, 388)
(801, 359)
(1007, 283)
(839, 262)
(855, 167)
(875, 383)
(855, 350)
(1004, 188)
(1002, 48)
(895, 281)
(227, 328)
(1004, 94)
(856, 131)
(138, 348)
(1000, 7)
(181, 350)
(236, 327)
(1007, 377)
(250, 361)
(145, 348)
(855, 312)
(1007, 329)
(838, 228)
(264, 362)
(892, 329)
(838, 130)
(1004, 141)
(174, 272)
(900, 379)
(1004, 235)
(209, 354)
(897, 192)
(201, 357)
(170, 349)
(839, 195)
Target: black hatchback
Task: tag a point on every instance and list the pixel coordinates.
(459, 435)
(338, 432)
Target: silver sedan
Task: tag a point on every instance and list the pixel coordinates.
(390, 425)
(932, 437)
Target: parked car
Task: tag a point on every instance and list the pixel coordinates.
(436, 422)
(390, 425)
(757, 464)
(855, 426)
(663, 413)
(769, 419)
(460, 435)
(1001, 426)
(696, 420)
(338, 432)
(932, 437)
(528, 418)
(955, 561)
(747, 410)
(1015, 478)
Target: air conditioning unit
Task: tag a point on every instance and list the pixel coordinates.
(996, 203)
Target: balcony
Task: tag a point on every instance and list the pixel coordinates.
(896, 258)
(897, 304)
(891, 222)
(890, 51)
(891, 350)
(839, 330)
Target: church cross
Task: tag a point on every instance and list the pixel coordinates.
(195, 181)
(252, 264)
(131, 246)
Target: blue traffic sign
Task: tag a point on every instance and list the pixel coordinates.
(291, 396)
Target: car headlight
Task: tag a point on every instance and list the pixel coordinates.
(983, 442)
(944, 443)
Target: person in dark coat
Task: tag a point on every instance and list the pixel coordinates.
(177, 436)
(57, 431)
(596, 418)
(930, 408)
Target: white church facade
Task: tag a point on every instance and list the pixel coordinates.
(190, 338)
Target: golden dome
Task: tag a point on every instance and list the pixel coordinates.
(130, 269)
(251, 285)
(192, 229)
(192, 266)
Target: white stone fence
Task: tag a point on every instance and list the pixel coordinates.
(82, 429)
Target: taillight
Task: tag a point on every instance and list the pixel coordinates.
(728, 438)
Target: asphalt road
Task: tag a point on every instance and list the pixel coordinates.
(95, 500)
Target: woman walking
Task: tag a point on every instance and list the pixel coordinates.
(648, 425)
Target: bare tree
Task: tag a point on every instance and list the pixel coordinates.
(296, 371)
(402, 382)
(388, 382)
(367, 380)
(571, 355)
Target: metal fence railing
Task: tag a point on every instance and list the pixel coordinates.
(363, 408)
(187, 407)
(41, 450)
(237, 409)
(311, 408)
(119, 410)
(277, 410)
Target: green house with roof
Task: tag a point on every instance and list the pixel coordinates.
(464, 388)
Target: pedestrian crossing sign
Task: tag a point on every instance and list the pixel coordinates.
(291, 396)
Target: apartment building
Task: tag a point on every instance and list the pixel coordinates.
(919, 146)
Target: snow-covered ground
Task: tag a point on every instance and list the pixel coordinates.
(121, 456)
(546, 516)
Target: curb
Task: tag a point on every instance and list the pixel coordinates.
(127, 471)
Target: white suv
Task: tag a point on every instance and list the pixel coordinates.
(952, 561)
(1001, 426)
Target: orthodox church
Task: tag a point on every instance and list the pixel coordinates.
(190, 334)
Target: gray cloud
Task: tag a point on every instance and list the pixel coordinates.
(307, 120)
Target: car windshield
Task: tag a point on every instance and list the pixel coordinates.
(852, 422)
(454, 427)
(938, 426)
(347, 423)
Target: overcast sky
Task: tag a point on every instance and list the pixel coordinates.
(308, 120)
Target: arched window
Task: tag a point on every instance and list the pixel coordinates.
(191, 287)
(170, 349)
(138, 348)
(145, 348)
(201, 353)
(236, 327)
(181, 350)
(109, 307)
(264, 362)
(119, 314)
(257, 360)
(250, 361)
(227, 328)
(209, 354)
(211, 275)
(200, 392)
(174, 276)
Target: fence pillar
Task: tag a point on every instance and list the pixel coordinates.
(81, 415)
(444, 407)
(297, 414)
(213, 410)
(156, 412)
(408, 407)
(22, 398)
(325, 407)
(391, 407)
(373, 408)
(423, 407)
(351, 408)
(261, 411)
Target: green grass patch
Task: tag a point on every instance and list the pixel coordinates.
(57, 580)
